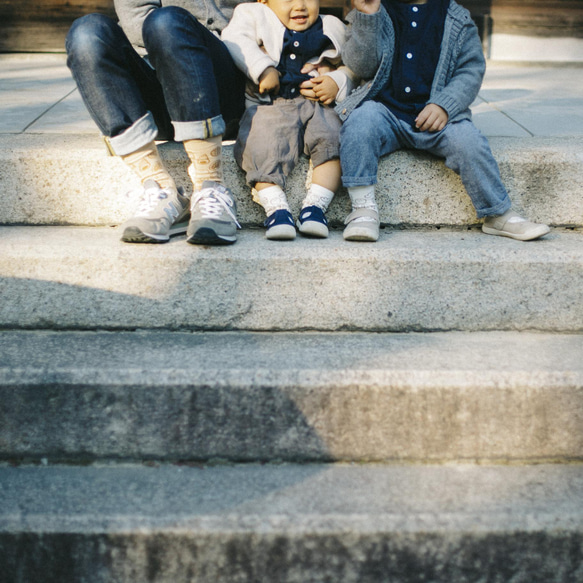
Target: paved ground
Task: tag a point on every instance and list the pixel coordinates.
(38, 95)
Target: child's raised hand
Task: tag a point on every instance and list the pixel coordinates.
(269, 81)
(367, 6)
(432, 118)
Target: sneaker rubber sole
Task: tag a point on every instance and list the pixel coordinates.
(281, 233)
(361, 232)
(313, 229)
(529, 236)
(136, 235)
(207, 236)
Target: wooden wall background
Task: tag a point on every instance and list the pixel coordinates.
(41, 25)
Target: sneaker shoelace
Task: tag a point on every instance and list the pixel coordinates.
(211, 204)
(148, 201)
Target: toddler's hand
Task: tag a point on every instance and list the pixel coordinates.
(367, 6)
(269, 81)
(325, 89)
(432, 118)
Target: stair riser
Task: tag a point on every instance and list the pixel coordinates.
(356, 420)
(71, 181)
(287, 557)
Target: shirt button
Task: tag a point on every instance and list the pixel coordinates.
(292, 57)
(415, 9)
(414, 24)
(293, 90)
(409, 55)
(296, 44)
(407, 89)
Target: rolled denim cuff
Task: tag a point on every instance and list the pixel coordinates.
(140, 133)
(349, 182)
(495, 211)
(199, 130)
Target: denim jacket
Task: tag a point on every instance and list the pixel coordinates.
(369, 51)
(214, 14)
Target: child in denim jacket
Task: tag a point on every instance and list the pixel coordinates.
(272, 41)
(426, 64)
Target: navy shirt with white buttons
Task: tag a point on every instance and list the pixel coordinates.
(418, 32)
(298, 48)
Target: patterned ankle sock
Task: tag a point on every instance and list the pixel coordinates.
(206, 160)
(318, 196)
(146, 163)
(271, 199)
(363, 197)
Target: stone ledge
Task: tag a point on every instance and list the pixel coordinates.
(361, 524)
(54, 179)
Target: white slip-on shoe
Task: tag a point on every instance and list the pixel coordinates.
(512, 225)
(362, 225)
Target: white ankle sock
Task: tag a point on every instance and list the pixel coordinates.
(318, 196)
(363, 197)
(271, 199)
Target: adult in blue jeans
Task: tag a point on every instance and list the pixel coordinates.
(162, 73)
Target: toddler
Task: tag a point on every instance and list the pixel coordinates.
(280, 45)
(426, 64)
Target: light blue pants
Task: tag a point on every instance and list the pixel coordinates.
(372, 131)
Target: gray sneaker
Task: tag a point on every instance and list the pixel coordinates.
(213, 216)
(160, 214)
(512, 225)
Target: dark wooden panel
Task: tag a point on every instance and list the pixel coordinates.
(41, 25)
(557, 18)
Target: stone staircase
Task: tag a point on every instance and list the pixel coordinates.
(309, 411)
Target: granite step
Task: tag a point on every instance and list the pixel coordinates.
(78, 397)
(292, 523)
(60, 179)
(411, 280)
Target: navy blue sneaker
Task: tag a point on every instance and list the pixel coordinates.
(280, 226)
(312, 222)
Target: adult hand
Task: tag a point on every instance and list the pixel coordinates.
(432, 118)
(269, 81)
(367, 6)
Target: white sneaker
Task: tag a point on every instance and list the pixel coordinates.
(160, 214)
(512, 225)
(362, 225)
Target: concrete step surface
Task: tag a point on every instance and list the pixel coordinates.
(292, 523)
(86, 278)
(77, 397)
(69, 179)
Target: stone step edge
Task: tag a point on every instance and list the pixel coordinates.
(414, 398)
(70, 180)
(357, 524)
(85, 278)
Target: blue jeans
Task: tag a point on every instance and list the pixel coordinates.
(189, 88)
(372, 131)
